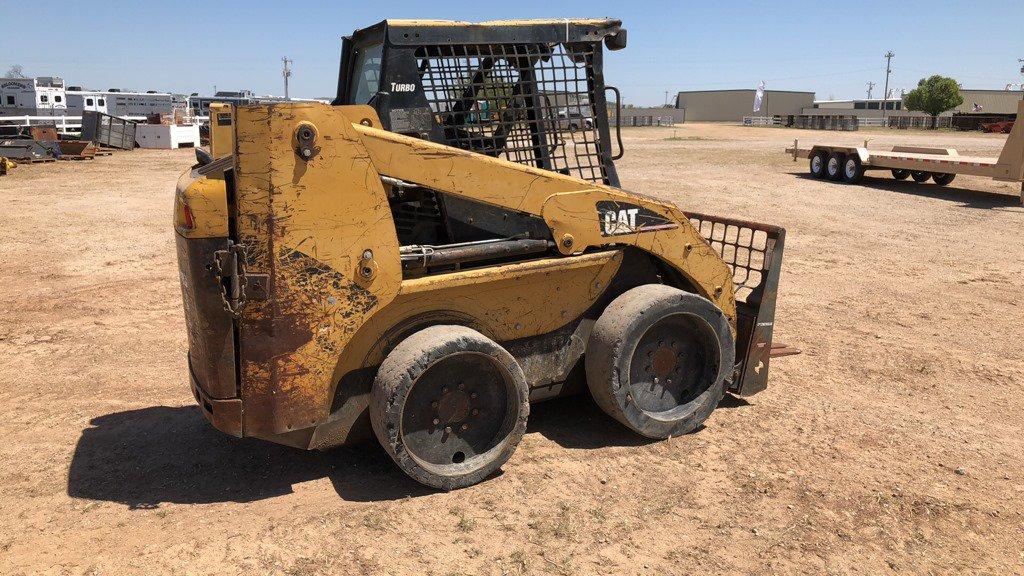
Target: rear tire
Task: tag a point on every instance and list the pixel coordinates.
(834, 168)
(943, 179)
(853, 170)
(449, 405)
(658, 360)
(901, 174)
(920, 177)
(817, 164)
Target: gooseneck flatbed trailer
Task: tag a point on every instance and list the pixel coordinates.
(940, 165)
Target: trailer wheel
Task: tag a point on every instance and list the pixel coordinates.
(818, 161)
(853, 170)
(943, 179)
(658, 359)
(920, 177)
(834, 167)
(901, 174)
(449, 405)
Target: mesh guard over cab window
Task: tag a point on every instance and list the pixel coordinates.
(527, 103)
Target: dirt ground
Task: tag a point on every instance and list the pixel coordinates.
(891, 445)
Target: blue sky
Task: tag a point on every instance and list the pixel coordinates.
(832, 48)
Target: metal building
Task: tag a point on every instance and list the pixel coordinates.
(988, 102)
(733, 105)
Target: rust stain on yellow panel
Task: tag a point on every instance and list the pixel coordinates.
(308, 224)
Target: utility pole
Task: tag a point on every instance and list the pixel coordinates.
(871, 86)
(888, 71)
(1021, 62)
(287, 73)
(666, 98)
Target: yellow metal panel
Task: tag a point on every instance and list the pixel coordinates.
(222, 135)
(503, 183)
(207, 201)
(504, 23)
(516, 300)
(308, 225)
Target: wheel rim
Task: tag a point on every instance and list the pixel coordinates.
(833, 166)
(458, 411)
(851, 168)
(674, 362)
(816, 165)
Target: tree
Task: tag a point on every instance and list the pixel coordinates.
(934, 96)
(15, 71)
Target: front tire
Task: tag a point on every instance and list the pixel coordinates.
(817, 164)
(449, 405)
(658, 360)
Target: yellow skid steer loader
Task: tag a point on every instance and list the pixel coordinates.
(447, 243)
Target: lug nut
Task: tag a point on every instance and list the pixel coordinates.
(433, 404)
(465, 426)
(475, 412)
(472, 395)
(436, 421)
(448, 429)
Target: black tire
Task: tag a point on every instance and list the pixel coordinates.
(853, 170)
(920, 177)
(943, 179)
(449, 405)
(900, 174)
(834, 167)
(657, 332)
(817, 163)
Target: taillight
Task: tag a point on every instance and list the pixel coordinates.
(184, 220)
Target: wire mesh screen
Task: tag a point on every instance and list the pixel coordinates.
(744, 249)
(528, 103)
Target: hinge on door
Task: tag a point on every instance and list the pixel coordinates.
(237, 287)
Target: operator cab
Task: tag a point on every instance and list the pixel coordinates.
(530, 92)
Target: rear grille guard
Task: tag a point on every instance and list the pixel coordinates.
(754, 253)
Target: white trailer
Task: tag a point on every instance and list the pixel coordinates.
(81, 100)
(41, 96)
(124, 103)
(940, 165)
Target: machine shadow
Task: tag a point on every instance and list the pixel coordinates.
(966, 197)
(145, 457)
(577, 422)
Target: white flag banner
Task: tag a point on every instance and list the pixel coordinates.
(759, 97)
